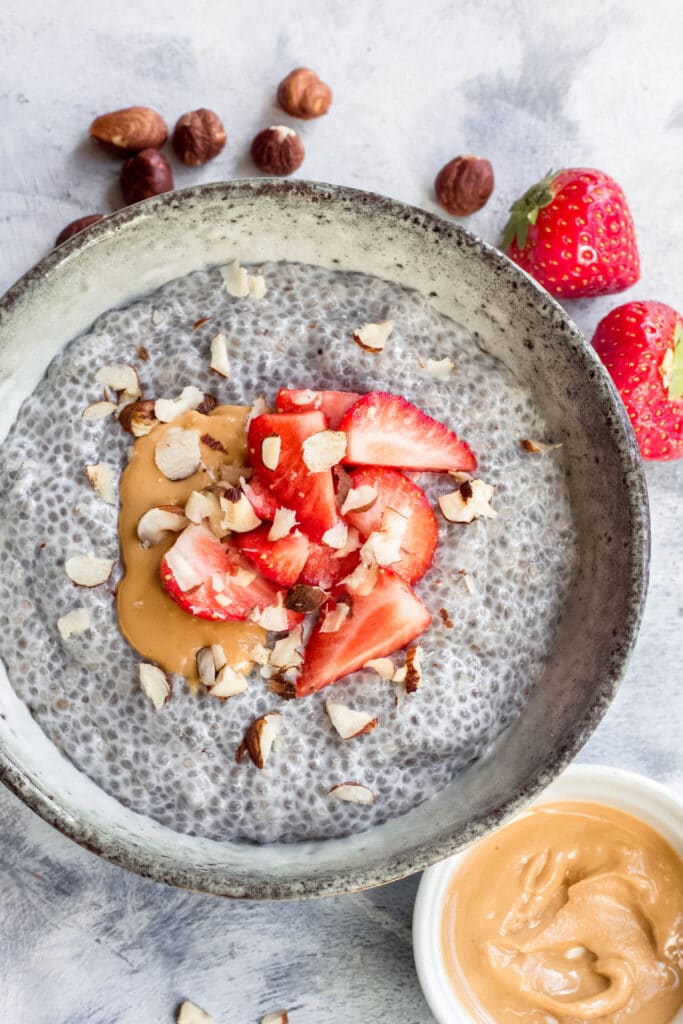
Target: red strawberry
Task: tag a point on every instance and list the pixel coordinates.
(386, 430)
(324, 569)
(278, 560)
(311, 495)
(379, 624)
(261, 498)
(574, 233)
(394, 490)
(202, 575)
(641, 344)
(333, 403)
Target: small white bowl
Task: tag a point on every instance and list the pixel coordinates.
(649, 801)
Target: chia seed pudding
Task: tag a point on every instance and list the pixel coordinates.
(495, 591)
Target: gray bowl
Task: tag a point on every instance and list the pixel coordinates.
(138, 249)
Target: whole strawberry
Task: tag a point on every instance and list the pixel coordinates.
(573, 232)
(641, 344)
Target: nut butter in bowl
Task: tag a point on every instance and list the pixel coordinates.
(571, 913)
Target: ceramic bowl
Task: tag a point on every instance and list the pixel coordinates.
(650, 801)
(137, 250)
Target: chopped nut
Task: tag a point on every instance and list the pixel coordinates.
(101, 477)
(470, 501)
(220, 363)
(206, 667)
(74, 622)
(384, 667)
(156, 522)
(203, 505)
(98, 410)
(285, 653)
(208, 405)
(218, 656)
(257, 409)
(440, 369)
(362, 580)
(137, 418)
(228, 684)
(324, 450)
(88, 570)
(238, 514)
(259, 738)
(335, 619)
(537, 447)
(276, 1017)
(302, 598)
(177, 454)
(353, 792)
(235, 280)
(373, 337)
(359, 499)
(122, 379)
(337, 536)
(155, 684)
(167, 409)
(349, 723)
(284, 522)
(352, 544)
(189, 1013)
(383, 547)
(270, 451)
(274, 617)
(413, 667)
(257, 286)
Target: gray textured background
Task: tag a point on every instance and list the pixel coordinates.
(529, 85)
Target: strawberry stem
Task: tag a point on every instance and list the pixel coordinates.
(676, 380)
(525, 210)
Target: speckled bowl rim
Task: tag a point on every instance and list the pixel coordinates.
(128, 854)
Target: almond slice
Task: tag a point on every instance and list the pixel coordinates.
(352, 544)
(238, 513)
(537, 447)
(373, 337)
(235, 280)
(276, 1017)
(218, 656)
(363, 579)
(156, 522)
(270, 451)
(347, 722)
(440, 369)
(167, 409)
(259, 738)
(121, 378)
(285, 653)
(353, 792)
(284, 522)
(101, 477)
(469, 502)
(202, 505)
(206, 667)
(324, 450)
(74, 622)
(335, 619)
(88, 570)
(220, 363)
(98, 410)
(177, 454)
(185, 573)
(256, 284)
(228, 683)
(337, 536)
(274, 618)
(257, 409)
(259, 653)
(155, 684)
(384, 667)
(190, 1013)
(359, 499)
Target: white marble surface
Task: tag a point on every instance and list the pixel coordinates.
(529, 85)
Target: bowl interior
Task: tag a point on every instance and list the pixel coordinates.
(136, 251)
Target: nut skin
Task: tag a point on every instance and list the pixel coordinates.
(77, 225)
(464, 185)
(144, 175)
(129, 130)
(277, 151)
(198, 137)
(302, 94)
(141, 412)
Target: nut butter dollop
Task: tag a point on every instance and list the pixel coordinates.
(149, 620)
(572, 913)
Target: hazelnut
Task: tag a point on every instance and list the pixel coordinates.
(198, 137)
(147, 174)
(130, 130)
(77, 225)
(464, 185)
(302, 94)
(277, 150)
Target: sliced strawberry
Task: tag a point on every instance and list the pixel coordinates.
(278, 560)
(323, 568)
(386, 430)
(394, 490)
(379, 624)
(261, 498)
(311, 495)
(210, 578)
(333, 403)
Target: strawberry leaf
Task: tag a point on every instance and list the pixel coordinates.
(525, 210)
(676, 380)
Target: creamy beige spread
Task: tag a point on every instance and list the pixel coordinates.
(150, 621)
(572, 913)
